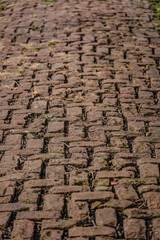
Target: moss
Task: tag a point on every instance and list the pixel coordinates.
(2, 228)
(79, 183)
(1, 6)
(156, 6)
(138, 183)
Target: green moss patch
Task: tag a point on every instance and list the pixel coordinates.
(156, 6)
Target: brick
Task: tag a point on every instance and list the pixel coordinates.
(52, 234)
(6, 199)
(92, 196)
(28, 196)
(38, 183)
(53, 202)
(56, 148)
(38, 215)
(56, 173)
(33, 166)
(136, 126)
(126, 192)
(4, 219)
(68, 189)
(106, 216)
(35, 143)
(78, 209)
(92, 231)
(14, 139)
(156, 229)
(134, 229)
(56, 127)
(136, 213)
(149, 170)
(74, 112)
(115, 174)
(23, 229)
(152, 199)
(97, 135)
(5, 188)
(119, 204)
(78, 178)
(39, 105)
(58, 224)
(148, 188)
(13, 207)
(95, 88)
(94, 116)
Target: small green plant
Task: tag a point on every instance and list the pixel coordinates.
(137, 183)
(156, 6)
(41, 29)
(79, 183)
(48, 117)
(1, 6)
(34, 28)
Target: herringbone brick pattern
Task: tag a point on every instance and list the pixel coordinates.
(80, 120)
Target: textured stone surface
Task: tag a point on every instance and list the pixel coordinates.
(79, 122)
(134, 229)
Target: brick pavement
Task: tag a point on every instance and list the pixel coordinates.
(79, 122)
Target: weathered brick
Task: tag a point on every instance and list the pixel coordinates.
(149, 170)
(13, 207)
(106, 216)
(156, 228)
(126, 192)
(134, 229)
(4, 219)
(38, 215)
(55, 127)
(53, 202)
(152, 199)
(92, 196)
(92, 231)
(52, 234)
(56, 173)
(115, 174)
(23, 229)
(35, 143)
(79, 122)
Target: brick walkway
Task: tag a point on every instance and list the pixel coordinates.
(80, 120)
